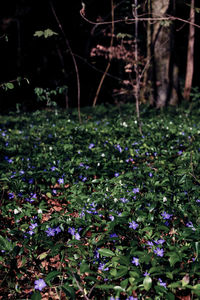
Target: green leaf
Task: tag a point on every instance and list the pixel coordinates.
(49, 195)
(36, 296)
(69, 291)
(105, 286)
(106, 252)
(124, 283)
(48, 33)
(9, 85)
(52, 275)
(174, 258)
(38, 33)
(147, 282)
(170, 296)
(123, 271)
(84, 268)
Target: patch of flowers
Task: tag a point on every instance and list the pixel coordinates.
(97, 211)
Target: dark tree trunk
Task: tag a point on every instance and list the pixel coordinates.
(164, 68)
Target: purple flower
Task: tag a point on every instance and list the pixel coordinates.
(33, 226)
(57, 230)
(150, 174)
(136, 190)
(150, 244)
(118, 147)
(84, 179)
(50, 231)
(31, 181)
(101, 267)
(61, 181)
(133, 225)
(146, 274)
(39, 284)
(124, 200)
(72, 231)
(116, 174)
(77, 236)
(189, 224)
(10, 195)
(53, 168)
(111, 218)
(159, 242)
(161, 282)
(31, 232)
(91, 146)
(166, 216)
(135, 261)
(159, 252)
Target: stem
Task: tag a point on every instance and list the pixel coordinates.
(110, 57)
(73, 58)
(137, 88)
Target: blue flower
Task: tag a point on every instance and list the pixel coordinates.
(159, 252)
(57, 230)
(61, 181)
(39, 284)
(166, 216)
(136, 190)
(133, 225)
(135, 261)
(33, 226)
(161, 282)
(71, 231)
(116, 174)
(91, 146)
(102, 267)
(50, 231)
(111, 218)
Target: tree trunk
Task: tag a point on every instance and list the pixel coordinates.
(190, 55)
(165, 71)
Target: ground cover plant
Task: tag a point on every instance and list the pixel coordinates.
(94, 210)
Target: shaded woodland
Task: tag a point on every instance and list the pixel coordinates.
(95, 43)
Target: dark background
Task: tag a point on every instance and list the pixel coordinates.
(48, 63)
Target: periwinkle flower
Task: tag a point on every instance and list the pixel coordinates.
(57, 230)
(102, 267)
(61, 181)
(161, 282)
(50, 231)
(136, 190)
(11, 195)
(77, 236)
(39, 284)
(111, 218)
(116, 174)
(135, 261)
(33, 226)
(71, 231)
(159, 242)
(166, 216)
(159, 252)
(91, 146)
(133, 225)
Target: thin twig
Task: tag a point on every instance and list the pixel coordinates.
(127, 20)
(73, 58)
(109, 62)
(80, 288)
